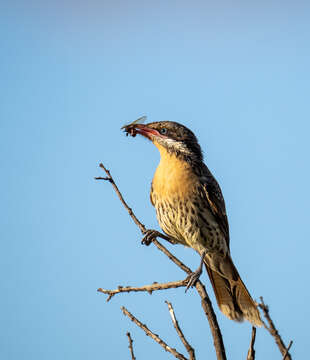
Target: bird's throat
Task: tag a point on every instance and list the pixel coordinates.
(173, 176)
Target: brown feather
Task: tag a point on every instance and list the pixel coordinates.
(233, 297)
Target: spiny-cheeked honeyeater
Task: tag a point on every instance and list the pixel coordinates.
(190, 209)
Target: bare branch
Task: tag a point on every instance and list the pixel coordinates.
(274, 332)
(149, 288)
(287, 350)
(205, 300)
(131, 346)
(130, 212)
(214, 326)
(155, 337)
(179, 263)
(205, 303)
(251, 352)
(188, 347)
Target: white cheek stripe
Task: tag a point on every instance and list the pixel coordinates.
(175, 145)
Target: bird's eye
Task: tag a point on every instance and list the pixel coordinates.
(163, 131)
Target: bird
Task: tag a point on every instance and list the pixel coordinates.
(190, 209)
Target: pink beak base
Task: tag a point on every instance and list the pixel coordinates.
(144, 130)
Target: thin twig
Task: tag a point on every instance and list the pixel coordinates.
(274, 332)
(179, 263)
(131, 346)
(205, 300)
(287, 350)
(155, 337)
(251, 352)
(188, 347)
(149, 288)
(130, 212)
(214, 326)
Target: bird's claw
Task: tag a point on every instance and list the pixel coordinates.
(193, 278)
(149, 236)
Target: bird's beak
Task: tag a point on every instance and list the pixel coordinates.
(146, 131)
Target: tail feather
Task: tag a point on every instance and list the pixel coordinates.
(233, 297)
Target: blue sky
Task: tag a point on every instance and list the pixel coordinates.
(237, 74)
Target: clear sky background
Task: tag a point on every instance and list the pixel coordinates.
(72, 73)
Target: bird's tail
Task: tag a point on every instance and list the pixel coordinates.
(231, 294)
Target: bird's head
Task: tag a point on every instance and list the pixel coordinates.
(173, 137)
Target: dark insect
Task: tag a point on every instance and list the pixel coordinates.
(130, 129)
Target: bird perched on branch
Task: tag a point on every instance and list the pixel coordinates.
(190, 209)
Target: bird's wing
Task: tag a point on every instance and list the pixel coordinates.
(216, 201)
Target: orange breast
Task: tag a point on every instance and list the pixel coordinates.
(173, 177)
(182, 210)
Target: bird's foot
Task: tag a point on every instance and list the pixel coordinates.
(193, 278)
(149, 236)
(195, 275)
